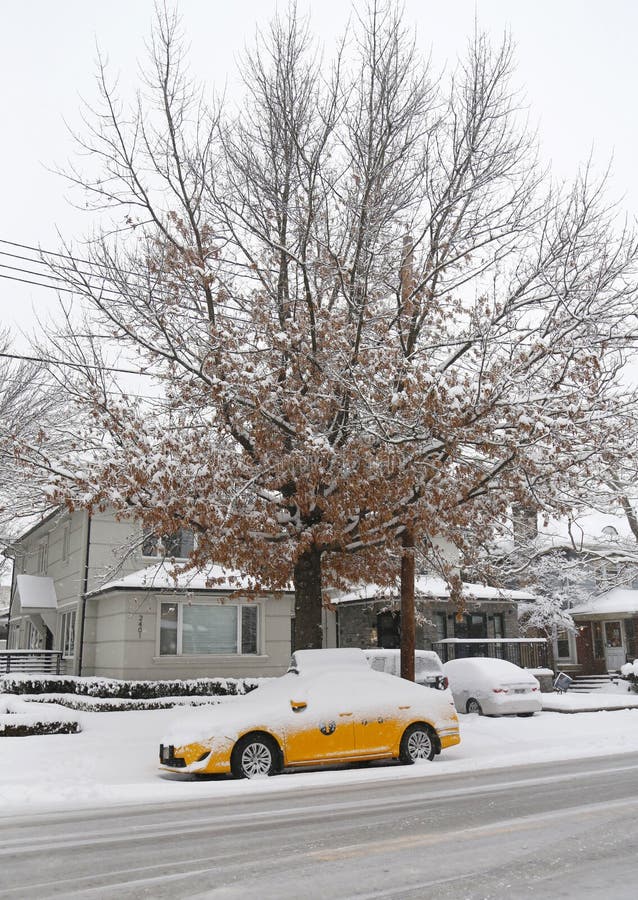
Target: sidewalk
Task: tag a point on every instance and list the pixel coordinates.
(596, 701)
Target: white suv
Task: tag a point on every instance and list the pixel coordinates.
(427, 666)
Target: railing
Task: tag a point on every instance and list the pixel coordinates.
(530, 653)
(48, 662)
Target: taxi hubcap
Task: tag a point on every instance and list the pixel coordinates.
(419, 745)
(256, 760)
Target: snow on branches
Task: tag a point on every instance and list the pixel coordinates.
(364, 307)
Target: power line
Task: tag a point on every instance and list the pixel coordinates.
(237, 313)
(76, 259)
(71, 365)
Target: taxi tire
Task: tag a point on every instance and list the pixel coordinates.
(262, 746)
(413, 738)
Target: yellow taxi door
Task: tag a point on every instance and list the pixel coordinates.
(379, 723)
(311, 739)
(320, 725)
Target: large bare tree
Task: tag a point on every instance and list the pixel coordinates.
(374, 321)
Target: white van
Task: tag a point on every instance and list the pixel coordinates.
(427, 666)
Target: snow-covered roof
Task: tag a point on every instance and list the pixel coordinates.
(163, 576)
(618, 600)
(428, 586)
(36, 592)
(591, 529)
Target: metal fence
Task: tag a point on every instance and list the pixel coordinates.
(47, 662)
(530, 653)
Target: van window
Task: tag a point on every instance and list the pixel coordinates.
(377, 663)
(426, 665)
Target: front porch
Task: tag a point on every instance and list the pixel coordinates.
(32, 662)
(529, 653)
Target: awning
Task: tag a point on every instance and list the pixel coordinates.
(38, 600)
(36, 593)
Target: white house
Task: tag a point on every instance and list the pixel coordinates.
(96, 593)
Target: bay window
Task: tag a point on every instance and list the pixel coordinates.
(192, 629)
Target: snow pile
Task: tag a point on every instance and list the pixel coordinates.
(630, 669)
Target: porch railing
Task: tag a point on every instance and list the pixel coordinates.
(530, 653)
(48, 662)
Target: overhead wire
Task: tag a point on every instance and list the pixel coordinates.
(101, 288)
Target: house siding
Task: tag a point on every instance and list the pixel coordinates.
(122, 639)
(357, 621)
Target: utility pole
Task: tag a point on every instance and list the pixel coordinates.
(408, 623)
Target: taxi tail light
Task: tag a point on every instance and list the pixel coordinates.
(442, 682)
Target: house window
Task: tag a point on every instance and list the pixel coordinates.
(14, 636)
(177, 545)
(613, 634)
(440, 624)
(389, 629)
(208, 629)
(499, 629)
(67, 634)
(42, 557)
(66, 544)
(473, 625)
(34, 638)
(563, 647)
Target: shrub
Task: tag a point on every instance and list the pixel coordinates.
(121, 689)
(27, 729)
(630, 672)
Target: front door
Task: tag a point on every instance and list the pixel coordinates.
(615, 655)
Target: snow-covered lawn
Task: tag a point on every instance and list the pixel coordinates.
(114, 759)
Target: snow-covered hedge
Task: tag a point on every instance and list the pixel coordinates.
(122, 704)
(133, 690)
(19, 719)
(630, 672)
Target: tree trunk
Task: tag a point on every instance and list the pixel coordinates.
(308, 601)
(407, 606)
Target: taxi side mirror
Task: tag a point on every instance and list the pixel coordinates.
(298, 705)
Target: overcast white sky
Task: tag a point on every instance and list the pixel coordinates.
(577, 65)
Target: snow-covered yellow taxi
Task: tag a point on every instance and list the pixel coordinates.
(330, 707)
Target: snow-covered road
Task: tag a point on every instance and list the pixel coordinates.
(114, 759)
(559, 829)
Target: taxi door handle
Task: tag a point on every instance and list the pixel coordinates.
(345, 714)
(404, 707)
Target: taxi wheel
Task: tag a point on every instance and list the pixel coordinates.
(473, 706)
(254, 755)
(417, 743)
